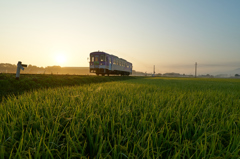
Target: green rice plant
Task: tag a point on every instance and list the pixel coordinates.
(136, 118)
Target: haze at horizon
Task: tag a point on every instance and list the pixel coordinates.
(172, 35)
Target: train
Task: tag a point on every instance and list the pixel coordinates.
(103, 64)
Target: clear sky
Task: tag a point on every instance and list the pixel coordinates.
(171, 34)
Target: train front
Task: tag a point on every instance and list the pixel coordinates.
(98, 63)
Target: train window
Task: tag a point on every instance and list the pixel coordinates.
(96, 58)
(92, 58)
(102, 58)
(114, 61)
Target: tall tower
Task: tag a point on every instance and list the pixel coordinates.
(196, 70)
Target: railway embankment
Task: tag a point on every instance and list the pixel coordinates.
(9, 86)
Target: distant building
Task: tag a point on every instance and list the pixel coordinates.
(207, 75)
(172, 74)
(222, 76)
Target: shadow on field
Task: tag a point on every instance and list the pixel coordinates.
(28, 82)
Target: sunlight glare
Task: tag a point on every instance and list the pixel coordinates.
(60, 58)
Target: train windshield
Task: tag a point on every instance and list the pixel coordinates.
(92, 58)
(96, 58)
(102, 58)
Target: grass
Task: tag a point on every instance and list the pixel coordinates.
(135, 118)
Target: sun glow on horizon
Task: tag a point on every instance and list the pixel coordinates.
(60, 59)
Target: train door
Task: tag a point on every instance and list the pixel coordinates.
(107, 61)
(110, 63)
(96, 60)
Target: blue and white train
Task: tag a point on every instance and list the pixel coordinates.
(104, 63)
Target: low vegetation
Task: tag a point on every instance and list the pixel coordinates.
(28, 82)
(135, 118)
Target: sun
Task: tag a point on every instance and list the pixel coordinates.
(61, 59)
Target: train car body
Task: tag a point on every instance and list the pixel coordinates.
(104, 63)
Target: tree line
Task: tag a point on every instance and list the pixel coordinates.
(31, 69)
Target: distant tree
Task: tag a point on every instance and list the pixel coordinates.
(8, 68)
(53, 69)
(236, 75)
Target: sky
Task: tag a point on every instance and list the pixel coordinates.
(170, 34)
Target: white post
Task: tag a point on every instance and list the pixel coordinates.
(19, 66)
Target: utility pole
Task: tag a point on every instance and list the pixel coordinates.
(153, 70)
(196, 70)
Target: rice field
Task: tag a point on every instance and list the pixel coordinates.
(136, 118)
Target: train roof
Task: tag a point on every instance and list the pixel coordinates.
(101, 52)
